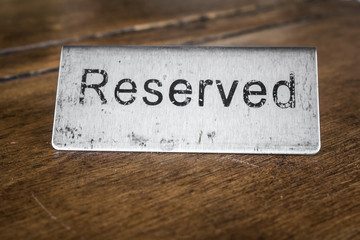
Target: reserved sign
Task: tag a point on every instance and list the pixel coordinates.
(187, 99)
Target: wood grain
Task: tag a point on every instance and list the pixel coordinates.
(244, 20)
(46, 193)
(55, 22)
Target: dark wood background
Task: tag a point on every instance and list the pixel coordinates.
(49, 194)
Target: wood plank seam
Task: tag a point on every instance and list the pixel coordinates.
(29, 74)
(251, 30)
(192, 42)
(212, 15)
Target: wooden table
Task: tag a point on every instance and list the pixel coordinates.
(49, 194)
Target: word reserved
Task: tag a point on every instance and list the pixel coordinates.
(226, 98)
(187, 99)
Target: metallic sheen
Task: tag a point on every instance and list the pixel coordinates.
(188, 99)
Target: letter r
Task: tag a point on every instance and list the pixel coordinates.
(96, 87)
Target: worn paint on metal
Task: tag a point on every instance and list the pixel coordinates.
(187, 99)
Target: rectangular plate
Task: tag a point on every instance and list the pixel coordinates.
(187, 99)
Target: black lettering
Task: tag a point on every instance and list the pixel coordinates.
(119, 90)
(226, 100)
(152, 91)
(291, 86)
(172, 92)
(202, 85)
(247, 92)
(96, 87)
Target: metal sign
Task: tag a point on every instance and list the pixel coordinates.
(187, 99)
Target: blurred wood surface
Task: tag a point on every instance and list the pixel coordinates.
(50, 194)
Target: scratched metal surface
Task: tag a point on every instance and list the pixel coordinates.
(85, 121)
